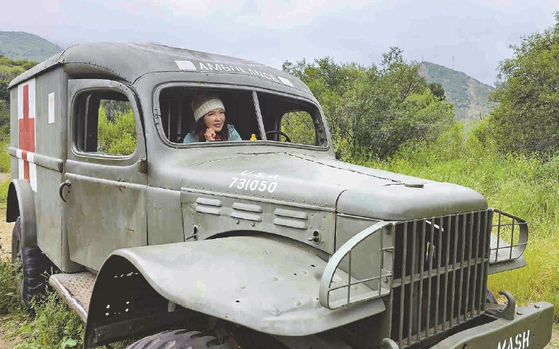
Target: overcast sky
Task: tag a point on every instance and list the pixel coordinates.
(471, 36)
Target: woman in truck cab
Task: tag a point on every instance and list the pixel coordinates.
(211, 125)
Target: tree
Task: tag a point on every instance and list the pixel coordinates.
(437, 90)
(117, 136)
(9, 69)
(373, 111)
(526, 119)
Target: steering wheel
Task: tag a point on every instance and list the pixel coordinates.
(287, 139)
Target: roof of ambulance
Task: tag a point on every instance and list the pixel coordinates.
(131, 61)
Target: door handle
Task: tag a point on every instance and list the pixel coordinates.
(66, 183)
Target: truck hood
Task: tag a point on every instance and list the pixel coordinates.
(329, 184)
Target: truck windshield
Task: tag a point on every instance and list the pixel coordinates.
(248, 116)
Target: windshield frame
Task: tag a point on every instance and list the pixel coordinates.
(254, 92)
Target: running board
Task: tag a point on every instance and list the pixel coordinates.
(75, 289)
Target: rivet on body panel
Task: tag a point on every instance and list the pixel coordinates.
(297, 303)
(242, 286)
(275, 311)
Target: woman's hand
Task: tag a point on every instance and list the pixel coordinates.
(210, 134)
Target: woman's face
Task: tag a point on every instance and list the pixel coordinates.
(215, 119)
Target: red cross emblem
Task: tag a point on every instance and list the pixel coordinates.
(26, 120)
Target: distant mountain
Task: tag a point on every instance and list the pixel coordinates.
(25, 46)
(468, 96)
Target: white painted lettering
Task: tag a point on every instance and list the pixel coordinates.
(262, 175)
(518, 344)
(253, 184)
(526, 339)
(521, 341)
(272, 187)
(270, 77)
(233, 68)
(252, 72)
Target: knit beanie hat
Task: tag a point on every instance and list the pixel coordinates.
(202, 104)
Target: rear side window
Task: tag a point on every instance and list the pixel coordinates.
(105, 123)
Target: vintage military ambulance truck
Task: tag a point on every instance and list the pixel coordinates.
(266, 243)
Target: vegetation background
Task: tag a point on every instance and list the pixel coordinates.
(389, 116)
(25, 46)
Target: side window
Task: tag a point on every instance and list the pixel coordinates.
(299, 126)
(292, 121)
(105, 123)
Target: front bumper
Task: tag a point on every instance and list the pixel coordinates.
(530, 328)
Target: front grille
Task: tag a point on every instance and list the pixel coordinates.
(440, 274)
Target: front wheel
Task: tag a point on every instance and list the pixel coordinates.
(31, 265)
(178, 339)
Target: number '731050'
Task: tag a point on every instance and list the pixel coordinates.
(253, 184)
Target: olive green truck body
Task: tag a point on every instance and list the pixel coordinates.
(271, 236)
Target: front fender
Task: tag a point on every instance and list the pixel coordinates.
(266, 284)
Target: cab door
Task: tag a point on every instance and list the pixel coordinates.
(105, 175)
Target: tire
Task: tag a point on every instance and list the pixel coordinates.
(178, 339)
(31, 264)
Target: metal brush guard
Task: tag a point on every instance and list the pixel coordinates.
(432, 272)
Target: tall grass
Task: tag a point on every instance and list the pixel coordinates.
(53, 325)
(9, 300)
(527, 187)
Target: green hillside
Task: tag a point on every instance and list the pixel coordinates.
(25, 46)
(468, 96)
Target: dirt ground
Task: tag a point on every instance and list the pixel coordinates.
(5, 252)
(5, 236)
